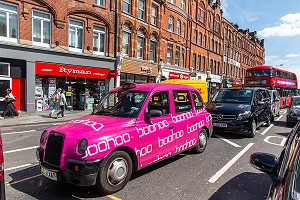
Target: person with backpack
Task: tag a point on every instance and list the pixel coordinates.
(56, 97)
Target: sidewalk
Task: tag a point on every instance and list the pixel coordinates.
(41, 117)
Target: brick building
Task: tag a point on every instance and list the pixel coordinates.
(78, 45)
(46, 44)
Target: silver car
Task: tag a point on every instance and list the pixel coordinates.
(275, 104)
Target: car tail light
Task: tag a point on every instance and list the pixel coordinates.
(1, 160)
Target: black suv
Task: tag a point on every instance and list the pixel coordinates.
(240, 110)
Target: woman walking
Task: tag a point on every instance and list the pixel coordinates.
(10, 109)
(55, 101)
(62, 103)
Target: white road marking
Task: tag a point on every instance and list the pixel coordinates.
(17, 150)
(215, 177)
(18, 132)
(278, 118)
(18, 167)
(228, 141)
(267, 129)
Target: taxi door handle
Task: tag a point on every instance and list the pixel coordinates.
(171, 127)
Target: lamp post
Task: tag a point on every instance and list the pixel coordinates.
(208, 80)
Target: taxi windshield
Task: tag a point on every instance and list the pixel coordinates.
(233, 96)
(124, 103)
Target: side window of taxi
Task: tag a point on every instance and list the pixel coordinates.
(197, 100)
(182, 101)
(160, 101)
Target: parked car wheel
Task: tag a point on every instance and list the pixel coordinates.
(253, 129)
(202, 142)
(115, 171)
(273, 116)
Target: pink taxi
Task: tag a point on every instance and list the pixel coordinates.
(133, 127)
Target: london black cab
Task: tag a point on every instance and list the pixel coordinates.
(284, 172)
(240, 110)
(293, 113)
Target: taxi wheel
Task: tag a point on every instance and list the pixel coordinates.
(202, 142)
(115, 171)
(253, 129)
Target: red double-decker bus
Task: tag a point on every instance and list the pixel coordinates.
(274, 78)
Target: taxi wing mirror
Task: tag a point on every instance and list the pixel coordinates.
(153, 113)
(264, 162)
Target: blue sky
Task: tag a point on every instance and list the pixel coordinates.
(276, 21)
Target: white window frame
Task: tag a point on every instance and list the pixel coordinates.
(141, 10)
(129, 4)
(178, 31)
(8, 12)
(76, 49)
(127, 30)
(171, 54)
(171, 24)
(183, 5)
(152, 40)
(98, 2)
(42, 29)
(140, 35)
(8, 71)
(154, 15)
(99, 33)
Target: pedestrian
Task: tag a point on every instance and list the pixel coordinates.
(10, 109)
(55, 101)
(62, 103)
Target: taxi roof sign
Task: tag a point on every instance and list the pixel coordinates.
(236, 87)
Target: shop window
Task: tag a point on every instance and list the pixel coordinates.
(126, 39)
(154, 15)
(152, 48)
(130, 78)
(140, 45)
(171, 24)
(170, 54)
(99, 2)
(141, 13)
(76, 36)
(9, 22)
(127, 6)
(99, 40)
(41, 23)
(5, 69)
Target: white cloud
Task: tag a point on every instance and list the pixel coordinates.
(292, 55)
(290, 26)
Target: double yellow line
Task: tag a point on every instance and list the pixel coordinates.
(32, 177)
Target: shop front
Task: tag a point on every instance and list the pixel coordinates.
(173, 72)
(215, 84)
(138, 71)
(84, 85)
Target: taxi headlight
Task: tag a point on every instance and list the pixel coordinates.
(244, 115)
(43, 136)
(82, 147)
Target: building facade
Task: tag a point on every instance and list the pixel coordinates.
(88, 47)
(45, 45)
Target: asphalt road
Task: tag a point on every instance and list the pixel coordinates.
(221, 172)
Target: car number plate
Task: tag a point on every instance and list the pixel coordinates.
(219, 124)
(49, 174)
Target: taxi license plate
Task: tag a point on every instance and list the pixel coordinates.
(49, 174)
(219, 124)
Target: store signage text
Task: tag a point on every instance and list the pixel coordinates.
(175, 75)
(71, 71)
(231, 61)
(146, 70)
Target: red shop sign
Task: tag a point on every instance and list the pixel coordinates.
(50, 69)
(113, 73)
(237, 83)
(175, 75)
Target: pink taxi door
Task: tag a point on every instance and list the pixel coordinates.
(189, 119)
(155, 129)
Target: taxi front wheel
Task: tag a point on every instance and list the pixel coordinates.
(115, 171)
(202, 142)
